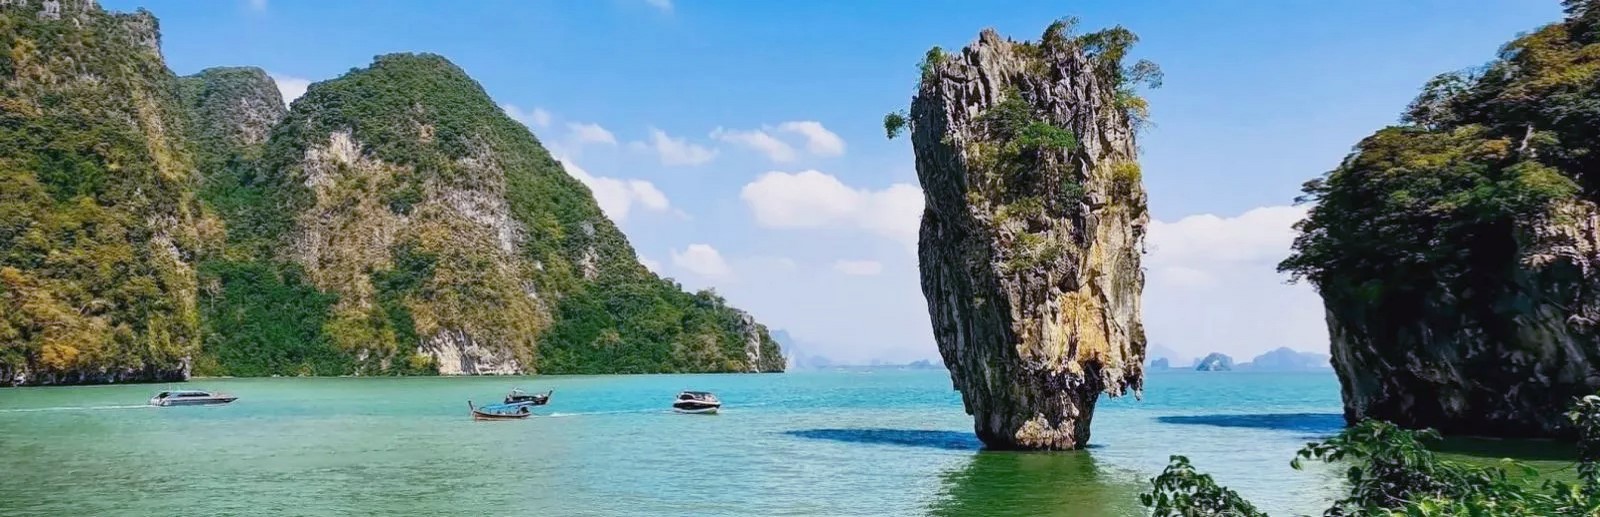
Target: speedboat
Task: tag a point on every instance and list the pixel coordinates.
(190, 398)
(697, 402)
(517, 397)
(499, 412)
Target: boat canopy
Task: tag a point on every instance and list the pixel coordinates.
(185, 393)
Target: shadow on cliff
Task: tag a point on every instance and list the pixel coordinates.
(1312, 424)
(948, 440)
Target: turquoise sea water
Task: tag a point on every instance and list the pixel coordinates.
(836, 443)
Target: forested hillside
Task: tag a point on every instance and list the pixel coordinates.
(395, 221)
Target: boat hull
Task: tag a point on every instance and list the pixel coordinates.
(499, 412)
(209, 401)
(539, 399)
(479, 415)
(696, 408)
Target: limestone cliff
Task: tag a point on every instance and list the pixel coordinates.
(1458, 254)
(452, 240)
(97, 210)
(1033, 228)
(395, 222)
(233, 111)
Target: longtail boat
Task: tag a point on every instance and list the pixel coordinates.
(499, 412)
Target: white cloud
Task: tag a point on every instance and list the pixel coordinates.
(1263, 233)
(1213, 286)
(650, 264)
(664, 5)
(702, 260)
(676, 151)
(776, 150)
(590, 134)
(258, 5)
(290, 87)
(617, 197)
(537, 117)
(858, 267)
(813, 199)
(819, 140)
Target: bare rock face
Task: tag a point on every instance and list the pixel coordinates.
(1032, 234)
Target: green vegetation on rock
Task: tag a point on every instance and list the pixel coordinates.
(1454, 252)
(1031, 233)
(396, 222)
(97, 213)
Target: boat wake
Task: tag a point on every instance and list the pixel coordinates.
(647, 410)
(72, 408)
(622, 412)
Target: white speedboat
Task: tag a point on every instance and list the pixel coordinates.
(190, 398)
(697, 402)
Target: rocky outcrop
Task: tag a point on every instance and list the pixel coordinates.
(419, 244)
(762, 353)
(97, 209)
(232, 110)
(1505, 363)
(1457, 253)
(396, 221)
(453, 241)
(1214, 362)
(1032, 232)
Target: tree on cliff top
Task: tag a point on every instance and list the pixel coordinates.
(1479, 150)
(1107, 48)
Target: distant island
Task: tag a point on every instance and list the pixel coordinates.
(1158, 352)
(1285, 359)
(802, 357)
(1281, 359)
(1214, 362)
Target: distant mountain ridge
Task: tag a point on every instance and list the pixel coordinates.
(1285, 359)
(1281, 359)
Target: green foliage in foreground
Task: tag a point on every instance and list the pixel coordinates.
(1392, 473)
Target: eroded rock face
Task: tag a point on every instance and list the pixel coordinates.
(234, 108)
(85, 90)
(1511, 370)
(467, 235)
(1030, 269)
(762, 353)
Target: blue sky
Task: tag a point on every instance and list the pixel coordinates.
(739, 144)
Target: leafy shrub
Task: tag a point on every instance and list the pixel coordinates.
(931, 61)
(1392, 472)
(894, 123)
